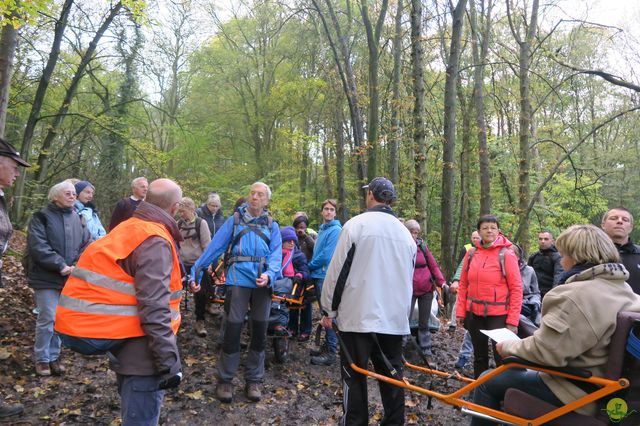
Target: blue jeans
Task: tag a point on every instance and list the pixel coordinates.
(47, 345)
(88, 346)
(140, 400)
(330, 336)
(491, 393)
(466, 350)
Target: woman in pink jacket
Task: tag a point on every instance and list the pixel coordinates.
(490, 292)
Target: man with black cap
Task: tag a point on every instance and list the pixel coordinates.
(10, 161)
(367, 291)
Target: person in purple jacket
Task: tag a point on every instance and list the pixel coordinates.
(425, 275)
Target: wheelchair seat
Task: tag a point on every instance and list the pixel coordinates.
(620, 364)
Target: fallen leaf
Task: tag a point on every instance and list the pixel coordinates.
(411, 403)
(300, 386)
(190, 361)
(194, 395)
(18, 388)
(412, 419)
(4, 354)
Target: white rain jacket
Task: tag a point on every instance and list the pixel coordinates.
(368, 285)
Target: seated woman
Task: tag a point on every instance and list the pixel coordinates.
(294, 270)
(578, 320)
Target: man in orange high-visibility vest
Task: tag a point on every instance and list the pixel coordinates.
(124, 297)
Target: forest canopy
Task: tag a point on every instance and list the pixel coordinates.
(525, 109)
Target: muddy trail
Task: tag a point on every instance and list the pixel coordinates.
(294, 393)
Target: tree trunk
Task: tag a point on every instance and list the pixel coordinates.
(36, 106)
(396, 132)
(373, 124)
(111, 170)
(419, 142)
(43, 158)
(448, 151)
(343, 211)
(479, 52)
(348, 79)
(524, 164)
(325, 167)
(8, 41)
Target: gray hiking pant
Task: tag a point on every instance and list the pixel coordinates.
(241, 298)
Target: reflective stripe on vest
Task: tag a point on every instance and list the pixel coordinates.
(99, 299)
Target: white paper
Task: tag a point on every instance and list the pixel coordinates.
(501, 334)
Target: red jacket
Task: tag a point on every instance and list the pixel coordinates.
(483, 282)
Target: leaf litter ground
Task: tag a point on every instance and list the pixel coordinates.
(294, 393)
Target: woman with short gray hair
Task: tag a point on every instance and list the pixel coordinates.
(426, 275)
(55, 239)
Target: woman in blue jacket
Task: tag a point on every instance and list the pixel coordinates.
(322, 253)
(87, 210)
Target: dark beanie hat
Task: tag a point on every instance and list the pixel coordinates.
(288, 234)
(81, 185)
(300, 219)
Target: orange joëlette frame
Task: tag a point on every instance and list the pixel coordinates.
(607, 388)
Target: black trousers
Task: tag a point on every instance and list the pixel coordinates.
(201, 297)
(480, 341)
(362, 347)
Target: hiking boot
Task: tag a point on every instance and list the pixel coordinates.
(57, 369)
(327, 358)
(252, 391)
(462, 361)
(200, 330)
(7, 410)
(224, 392)
(43, 369)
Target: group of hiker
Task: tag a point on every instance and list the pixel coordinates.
(120, 292)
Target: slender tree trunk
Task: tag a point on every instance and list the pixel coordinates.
(43, 158)
(304, 169)
(8, 41)
(395, 103)
(111, 169)
(524, 165)
(419, 140)
(342, 58)
(343, 212)
(465, 168)
(325, 167)
(36, 105)
(449, 143)
(373, 43)
(479, 52)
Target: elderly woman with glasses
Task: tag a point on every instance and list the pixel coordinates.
(55, 239)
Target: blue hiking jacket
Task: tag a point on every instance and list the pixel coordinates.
(244, 274)
(91, 220)
(323, 250)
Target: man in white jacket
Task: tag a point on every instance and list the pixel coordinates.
(367, 292)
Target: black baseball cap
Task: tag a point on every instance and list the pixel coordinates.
(382, 190)
(7, 150)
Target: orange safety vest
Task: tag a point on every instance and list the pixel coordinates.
(98, 300)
